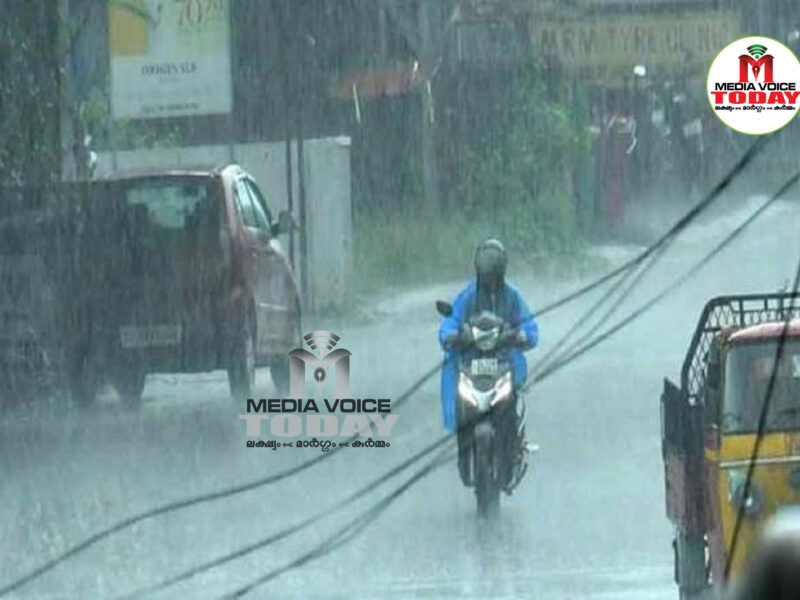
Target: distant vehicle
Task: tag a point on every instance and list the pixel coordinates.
(194, 279)
(709, 427)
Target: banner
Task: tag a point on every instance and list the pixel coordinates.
(607, 47)
(169, 57)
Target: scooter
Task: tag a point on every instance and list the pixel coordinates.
(490, 414)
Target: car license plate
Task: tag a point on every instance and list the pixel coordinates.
(484, 366)
(136, 336)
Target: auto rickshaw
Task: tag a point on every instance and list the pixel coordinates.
(744, 350)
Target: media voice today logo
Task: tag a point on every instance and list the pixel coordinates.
(322, 342)
(320, 418)
(754, 85)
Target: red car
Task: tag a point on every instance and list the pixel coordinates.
(190, 277)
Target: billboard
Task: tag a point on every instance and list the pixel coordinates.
(169, 57)
(607, 47)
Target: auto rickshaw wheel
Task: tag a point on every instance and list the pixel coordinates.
(690, 566)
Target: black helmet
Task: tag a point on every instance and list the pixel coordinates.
(490, 262)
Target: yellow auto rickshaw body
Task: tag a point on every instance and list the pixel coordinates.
(775, 481)
(744, 355)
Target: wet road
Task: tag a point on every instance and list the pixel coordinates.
(587, 522)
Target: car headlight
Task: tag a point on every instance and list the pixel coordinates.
(502, 390)
(754, 503)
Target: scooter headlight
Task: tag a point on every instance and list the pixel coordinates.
(503, 389)
(485, 340)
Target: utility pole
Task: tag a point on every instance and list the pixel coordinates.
(299, 49)
(283, 56)
(424, 32)
(428, 55)
(68, 150)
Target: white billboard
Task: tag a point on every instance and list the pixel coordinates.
(169, 57)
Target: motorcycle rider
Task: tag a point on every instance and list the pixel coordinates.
(490, 292)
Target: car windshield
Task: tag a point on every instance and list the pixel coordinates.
(748, 369)
(185, 204)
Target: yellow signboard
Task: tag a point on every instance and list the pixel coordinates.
(610, 46)
(169, 58)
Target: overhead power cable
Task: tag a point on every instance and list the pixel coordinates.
(633, 270)
(346, 533)
(194, 500)
(753, 151)
(601, 337)
(554, 353)
(293, 529)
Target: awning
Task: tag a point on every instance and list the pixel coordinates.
(374, 83)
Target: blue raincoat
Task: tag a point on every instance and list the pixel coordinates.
(518, 315)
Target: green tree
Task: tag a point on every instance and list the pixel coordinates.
(29, 92)
(519, 176)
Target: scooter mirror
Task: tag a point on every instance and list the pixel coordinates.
(444, 308)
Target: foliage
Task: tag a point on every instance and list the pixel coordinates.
(516, 184)
(33, 78)
(95, 119)
(395, 248)
(29, 94)
(520, 176)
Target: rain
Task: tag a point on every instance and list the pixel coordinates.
(224, 229)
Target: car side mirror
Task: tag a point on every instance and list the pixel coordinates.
(444, 308)
(285, 224)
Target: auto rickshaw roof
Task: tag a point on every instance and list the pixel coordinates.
(765, 331)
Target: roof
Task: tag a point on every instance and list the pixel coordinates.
(206, 170)
(766, 331)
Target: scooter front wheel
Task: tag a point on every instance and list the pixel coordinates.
(487, 493)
